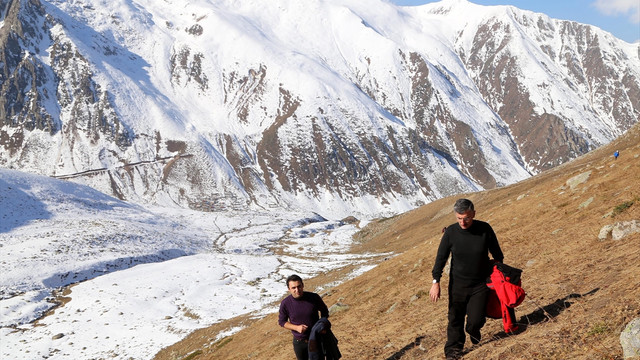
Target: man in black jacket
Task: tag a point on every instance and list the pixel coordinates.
(468, 242)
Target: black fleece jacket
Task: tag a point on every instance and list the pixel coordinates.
(469, 251)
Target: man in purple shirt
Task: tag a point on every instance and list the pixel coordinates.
(299, 312)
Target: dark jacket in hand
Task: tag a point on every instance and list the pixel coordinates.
(323, 345)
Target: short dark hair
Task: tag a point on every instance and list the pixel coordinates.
(462, 206)
(294, 277)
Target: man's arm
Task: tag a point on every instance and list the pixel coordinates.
(324, 310)
(444, 249)
(299, 328)
(494, 246)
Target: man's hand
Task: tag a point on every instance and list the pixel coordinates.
(297, 328)
(301, 328)
(434, 293)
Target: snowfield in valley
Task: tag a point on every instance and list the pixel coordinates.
(143, 277)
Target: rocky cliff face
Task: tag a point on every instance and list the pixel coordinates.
(338, 108)
(52, 95)
(23, 78)
(576, 59)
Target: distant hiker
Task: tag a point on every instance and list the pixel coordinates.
(616, 154)
(299, 313)
(468, 242)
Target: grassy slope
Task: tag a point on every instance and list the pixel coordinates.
(581, 291)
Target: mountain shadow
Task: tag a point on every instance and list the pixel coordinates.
(105, 267)
(20, 201)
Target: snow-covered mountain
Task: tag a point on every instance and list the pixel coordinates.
(338, 106)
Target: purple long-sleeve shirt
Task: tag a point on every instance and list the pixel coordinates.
(302, 311)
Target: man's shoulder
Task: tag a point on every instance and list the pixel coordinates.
(306, 296)
(286, 300)
(310, 295)
(313, 298)
(451, 228)
(482, 227)
(481, 224)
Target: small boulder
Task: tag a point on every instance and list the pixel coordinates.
(605, 232)
(619, 230)
(625, 228)
(578, 179)
(630, 340)
(338, 307)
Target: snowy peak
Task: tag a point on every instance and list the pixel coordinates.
(554, 74)
(336, 106)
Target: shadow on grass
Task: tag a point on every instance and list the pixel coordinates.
(400, 353)
(540, 315)
(545, 313)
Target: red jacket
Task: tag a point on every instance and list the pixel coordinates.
(506, 293)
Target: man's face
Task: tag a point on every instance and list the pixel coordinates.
(296, 288)
(465, 219)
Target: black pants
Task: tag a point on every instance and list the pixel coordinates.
(465, 300)
(301, 348)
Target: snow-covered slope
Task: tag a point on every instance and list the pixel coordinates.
(341, 106)
(143, 277)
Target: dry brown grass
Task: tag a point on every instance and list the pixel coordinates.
(581, 291)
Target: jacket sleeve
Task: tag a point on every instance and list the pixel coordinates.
(442, 256)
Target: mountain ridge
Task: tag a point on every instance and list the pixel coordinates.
(374, 110)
